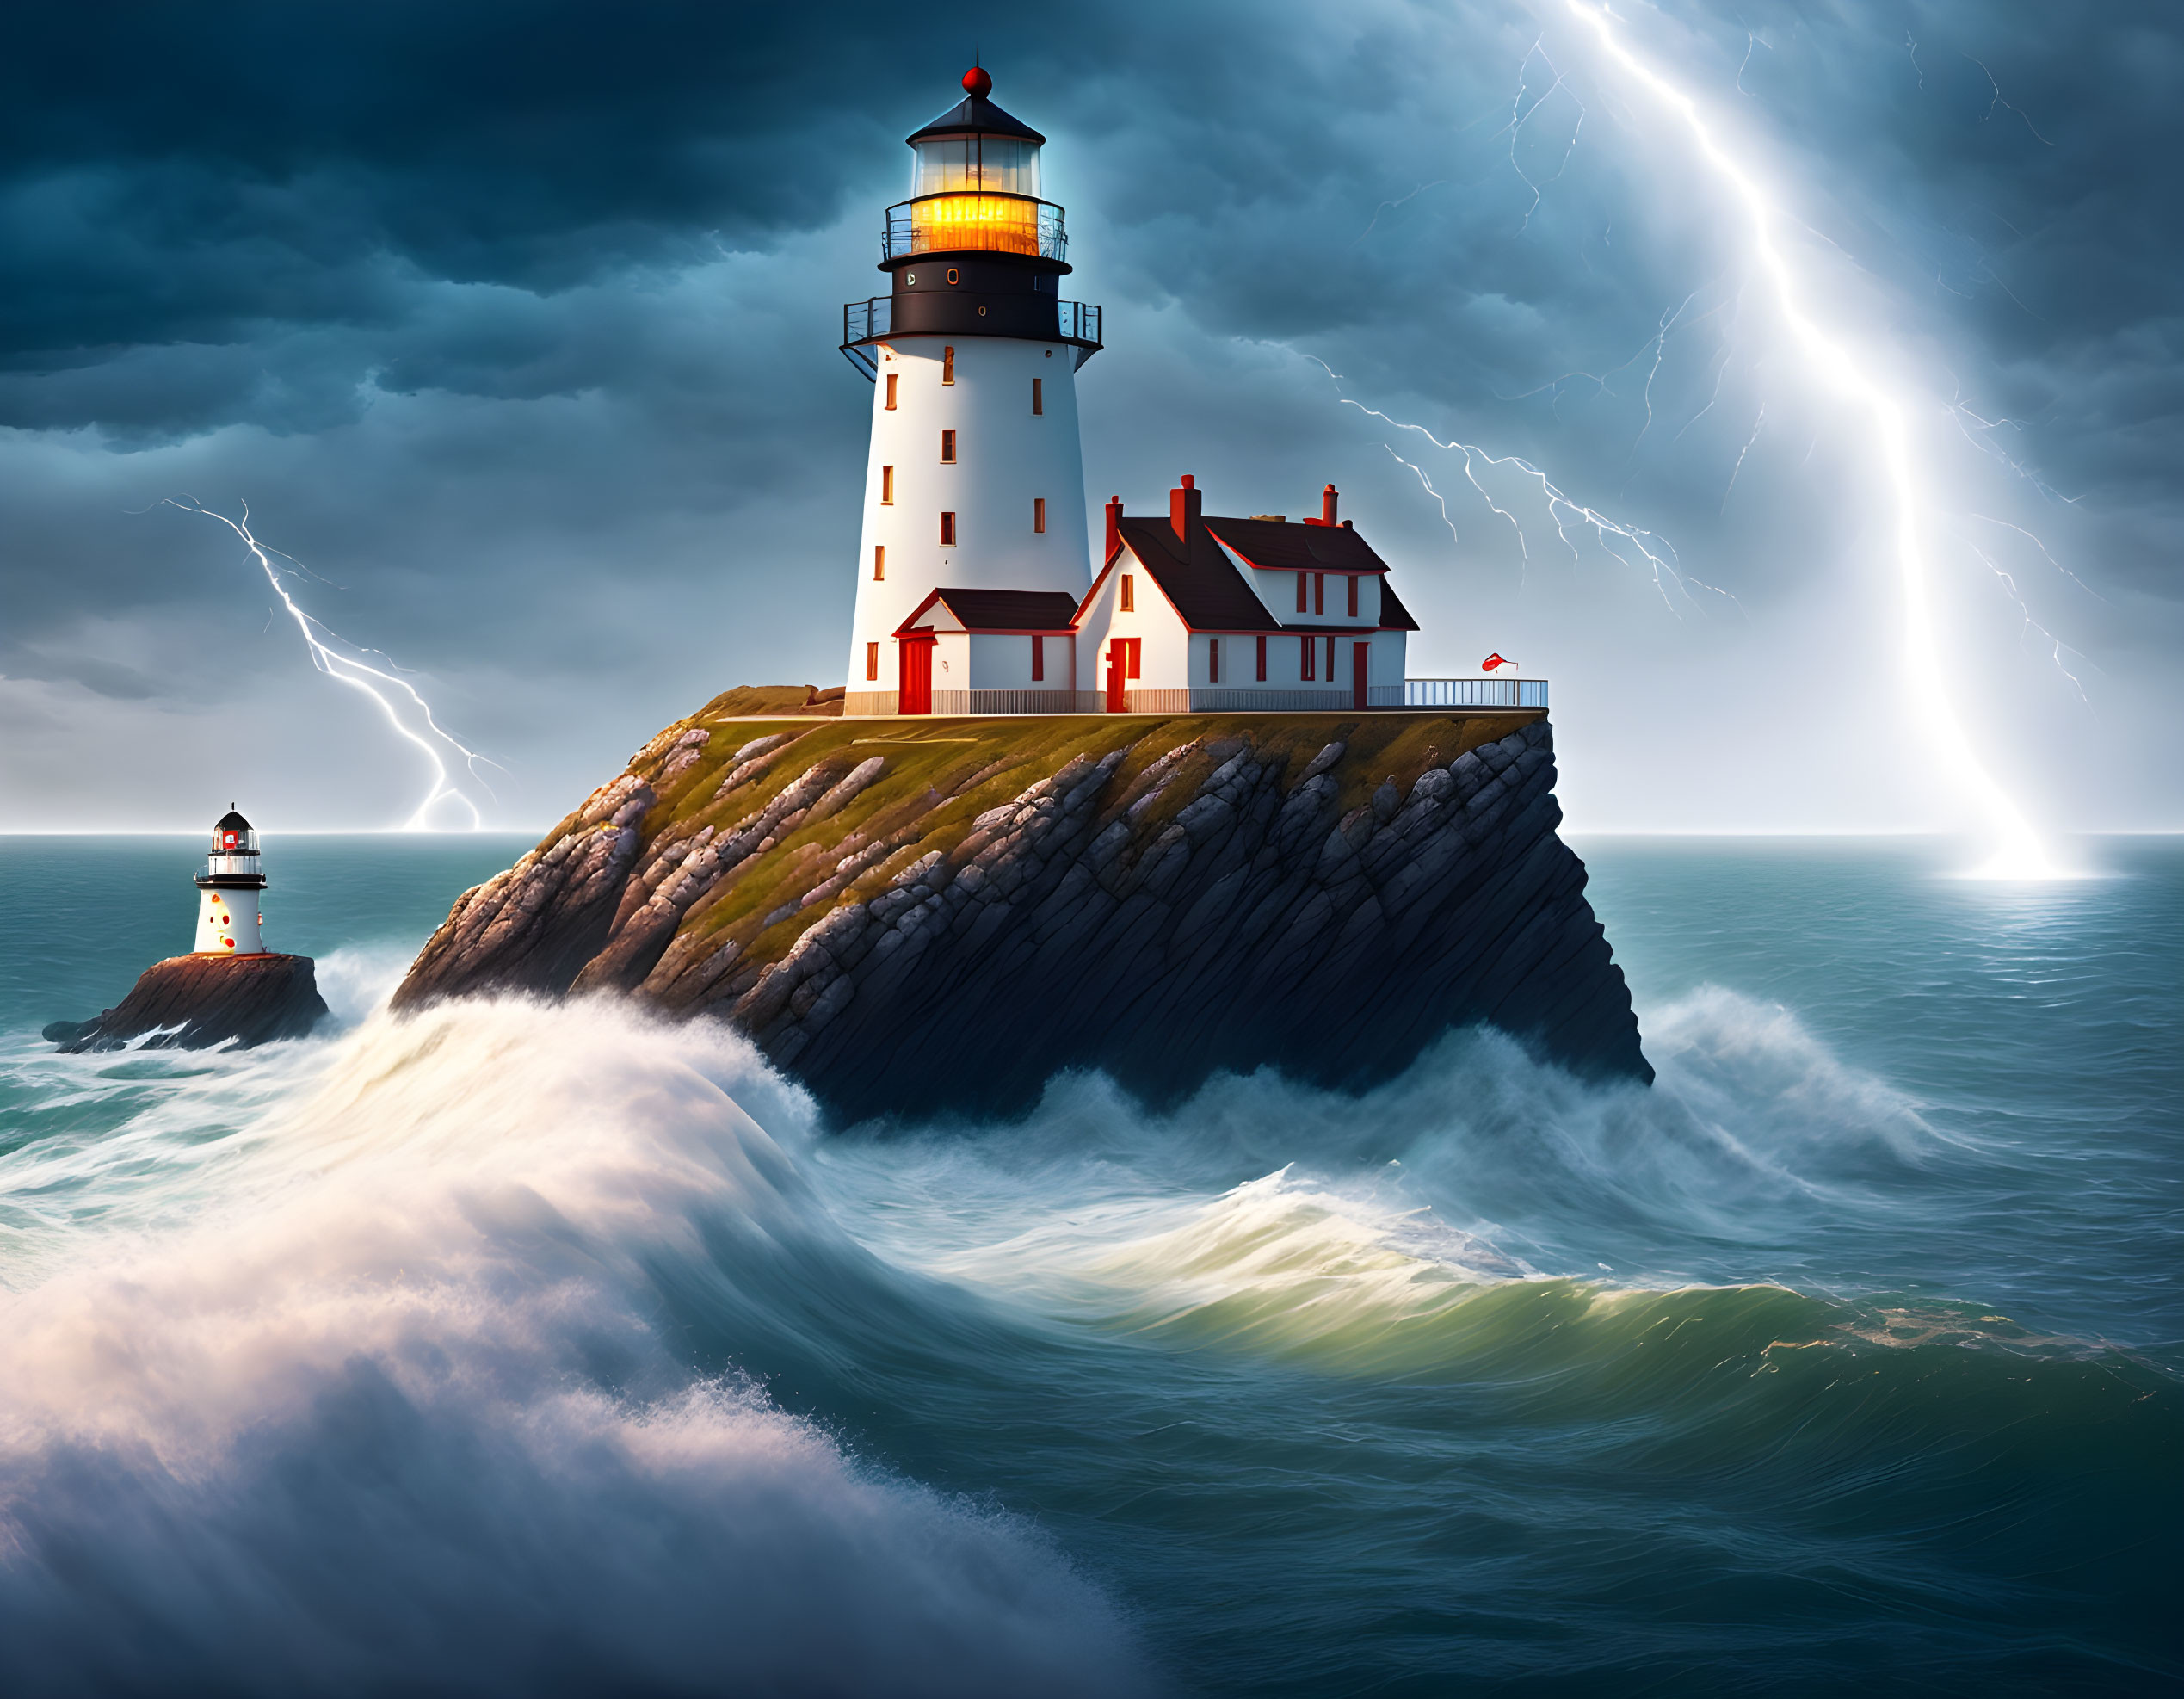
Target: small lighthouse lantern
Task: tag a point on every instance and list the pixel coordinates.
(228, 921)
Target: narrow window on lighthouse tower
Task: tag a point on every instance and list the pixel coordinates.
(1038, 514)
(947, 365)
(879, 561)
(871, 662)
(1039, 400)
(891, 391)
(947, 447)
(1128, 601)
(887, 491)
(947, 530)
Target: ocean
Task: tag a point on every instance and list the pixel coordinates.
(518, 1349)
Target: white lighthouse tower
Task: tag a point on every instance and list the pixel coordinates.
(976, 482)
(228, 923)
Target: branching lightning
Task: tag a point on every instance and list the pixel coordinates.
(1655, 554)
(1854, 374)
(359, 675)
(1441, 500)
(1520, 115)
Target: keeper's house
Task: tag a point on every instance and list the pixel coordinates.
(1189, 613)
(1196, 613)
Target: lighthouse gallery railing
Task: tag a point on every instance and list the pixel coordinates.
(867, 321)
(1475, 693)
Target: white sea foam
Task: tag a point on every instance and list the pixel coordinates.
(375, 1390)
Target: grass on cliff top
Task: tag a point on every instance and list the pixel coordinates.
(941, 774)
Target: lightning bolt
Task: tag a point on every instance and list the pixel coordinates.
(1520, 115)
(359, 675)
(1655, 553)
(1842, 367)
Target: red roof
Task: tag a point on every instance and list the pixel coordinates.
(1001, 610)
(1276, 545)
(1211, 595)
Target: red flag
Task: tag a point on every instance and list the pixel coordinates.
(1494, 661)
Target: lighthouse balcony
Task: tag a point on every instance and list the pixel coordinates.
(1035, 317)
(971, 223)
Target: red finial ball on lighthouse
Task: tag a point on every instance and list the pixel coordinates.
(978, 82)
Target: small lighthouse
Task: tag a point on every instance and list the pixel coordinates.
(228, 921)
(976, 482)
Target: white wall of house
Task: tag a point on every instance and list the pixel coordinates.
(952, 661)
(1163, 641)
(1006, 458)
(1004, 662)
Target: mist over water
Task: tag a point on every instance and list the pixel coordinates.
(513, 1348)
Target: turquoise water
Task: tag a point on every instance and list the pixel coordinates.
(521, 1348)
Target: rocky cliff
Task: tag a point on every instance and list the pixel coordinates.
(195, 1001)
(914, 917)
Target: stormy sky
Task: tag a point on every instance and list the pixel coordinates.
(516, 324)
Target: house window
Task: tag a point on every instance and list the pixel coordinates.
(947, 447)
(1128, 601)
(887, 486)
(1262, 660)
(1307, 653)
(871, 662)
(1300, 593)
(1038, 400)
(947, 530)
(1213, 661)
(878, 562)
(1039, 659)
(1038, 514)
(1353, 596)
(947, 361)
(1330, 660)
(892, 376)
(1319, 595)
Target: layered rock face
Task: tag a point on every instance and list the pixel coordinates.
(195, 1001)
(934, 916)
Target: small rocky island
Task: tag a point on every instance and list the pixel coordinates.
(196, 1001)
(936, 916)
(230, 989)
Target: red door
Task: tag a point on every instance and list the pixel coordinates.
(1360, 654)
(1118, 672)
(915, 659)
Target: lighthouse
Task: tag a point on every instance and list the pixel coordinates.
(228, 923)
(975, 484)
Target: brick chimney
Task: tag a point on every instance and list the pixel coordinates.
(1115, 527)
(1327, 498)
(1183, 509)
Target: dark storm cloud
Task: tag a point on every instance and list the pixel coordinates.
(518, 320)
